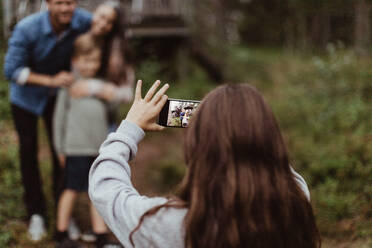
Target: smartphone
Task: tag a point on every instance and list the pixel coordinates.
(177, 112)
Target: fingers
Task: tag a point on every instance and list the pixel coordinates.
(64, 79)
(161, 103)
(138, 94)
(67, 79)
(144, 111)
(160, 93)
(152, 90)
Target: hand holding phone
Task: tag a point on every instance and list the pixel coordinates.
(144, 112)
(177, 112)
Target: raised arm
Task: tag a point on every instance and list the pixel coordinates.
(110, 187)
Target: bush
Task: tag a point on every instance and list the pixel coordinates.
(325, 112)
(11, 193)
(323, 105)
(4, 99)
(166, 175)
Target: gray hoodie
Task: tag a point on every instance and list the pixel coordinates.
(121, 206)
(80, 124)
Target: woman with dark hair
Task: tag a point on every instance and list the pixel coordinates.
(108, 30)
(239, 189)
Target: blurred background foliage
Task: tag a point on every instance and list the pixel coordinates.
(312, 61)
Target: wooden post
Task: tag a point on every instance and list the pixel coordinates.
(7, 15)
(362, 26)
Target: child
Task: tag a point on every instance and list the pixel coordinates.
(80, 126)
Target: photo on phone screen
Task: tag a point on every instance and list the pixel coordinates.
(177, 112)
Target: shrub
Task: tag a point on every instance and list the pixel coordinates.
(4, 99)
(325, 112)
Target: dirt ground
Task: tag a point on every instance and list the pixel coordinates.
(153, 148)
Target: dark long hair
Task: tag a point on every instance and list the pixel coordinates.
(117, 34)
(239, 188)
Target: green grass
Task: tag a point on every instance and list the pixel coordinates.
(10, 190)
(4, 96)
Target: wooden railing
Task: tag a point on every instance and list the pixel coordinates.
(136, 10)
(144, 7)
(161, 7)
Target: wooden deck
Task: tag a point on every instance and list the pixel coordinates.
(166, 16)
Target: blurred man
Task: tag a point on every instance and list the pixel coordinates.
(37, 63)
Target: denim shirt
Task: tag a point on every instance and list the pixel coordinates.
(34, 45)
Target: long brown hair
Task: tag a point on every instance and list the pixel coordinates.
(239, 188)
(116, 42)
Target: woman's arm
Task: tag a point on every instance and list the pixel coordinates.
(122, 93)
(110, 187)
(59, 124)
(86, 87)
(93, 87)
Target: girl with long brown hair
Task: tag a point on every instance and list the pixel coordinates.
(239, 189)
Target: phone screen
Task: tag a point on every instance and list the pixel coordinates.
(177, 113)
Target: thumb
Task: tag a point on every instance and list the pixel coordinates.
(156, 127)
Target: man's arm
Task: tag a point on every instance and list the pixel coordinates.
(16, 67)
(63, 78)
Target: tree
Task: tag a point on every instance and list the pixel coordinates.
(362, 25)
